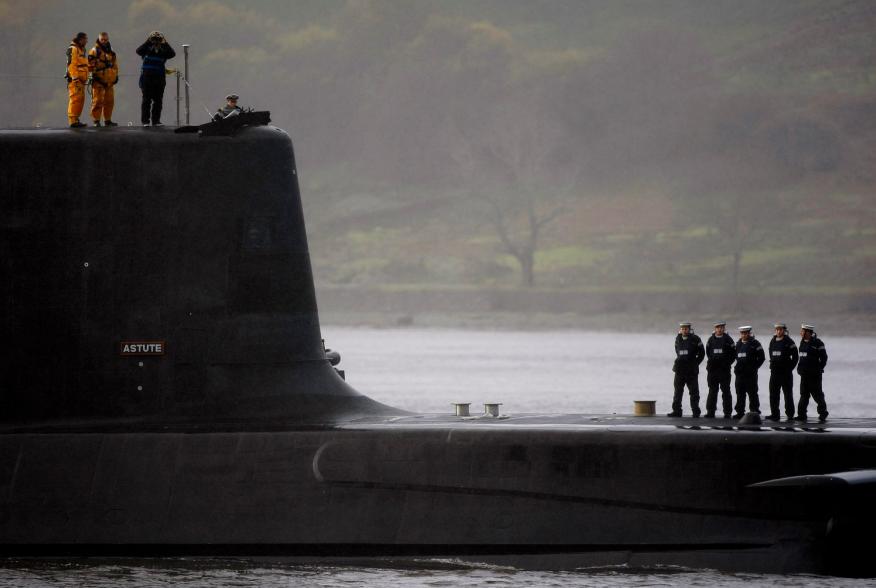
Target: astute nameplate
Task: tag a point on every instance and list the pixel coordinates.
(128, 348)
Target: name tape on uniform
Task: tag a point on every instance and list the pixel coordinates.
(129, 348)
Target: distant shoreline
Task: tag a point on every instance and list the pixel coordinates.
(845, 324)
(621, 311)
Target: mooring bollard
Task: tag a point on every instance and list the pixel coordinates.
(461, 408)
(644, 407)
(492, 408)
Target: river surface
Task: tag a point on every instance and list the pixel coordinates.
(528, 372)
(558, 371)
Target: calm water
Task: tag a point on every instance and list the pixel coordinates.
(557, 371)
(543, 372)
(435, 575)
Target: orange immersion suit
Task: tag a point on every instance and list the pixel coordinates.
(77, 76)
(105, 73)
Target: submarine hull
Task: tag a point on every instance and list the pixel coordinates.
(536, 497)
(164, 390)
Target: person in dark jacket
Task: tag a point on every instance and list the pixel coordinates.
(783, 360)
(154, 52)
(749, 358)
(813, 359)
(689, 354)
(229, 109)
(720, 355)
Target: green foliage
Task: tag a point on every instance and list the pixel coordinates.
(654, 123)
(576, 256)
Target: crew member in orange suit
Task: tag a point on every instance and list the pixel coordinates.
(77, 78)
(104, 68)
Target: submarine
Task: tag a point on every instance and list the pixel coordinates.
(165, 392)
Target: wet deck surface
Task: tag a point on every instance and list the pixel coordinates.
(620, 421)
(570, 422)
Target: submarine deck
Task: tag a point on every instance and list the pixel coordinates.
(617, 422)
(556, 422)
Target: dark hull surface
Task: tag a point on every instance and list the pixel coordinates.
(537, 492)
(164, 391)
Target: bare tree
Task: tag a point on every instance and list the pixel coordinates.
(741, 201)
(514, 169)
(521, 245)
(740, 223)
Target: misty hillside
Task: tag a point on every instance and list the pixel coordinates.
(691, 145)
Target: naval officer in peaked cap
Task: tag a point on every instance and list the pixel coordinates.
(689, 353)
(749, 358)
(720, 355)
(813, 359)
(230, 107)
(783, 360)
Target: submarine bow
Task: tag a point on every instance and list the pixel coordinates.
(155, 276)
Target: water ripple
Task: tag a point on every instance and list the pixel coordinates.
(212, 573)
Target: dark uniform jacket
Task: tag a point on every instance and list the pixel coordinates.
(154, 55)
(225, 111)
(749, 356)
(689, 354)
(721, 353)
(783, 354)
(813, 357)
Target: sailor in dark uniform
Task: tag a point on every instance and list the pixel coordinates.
(229, 109)
(749, 358)
(720, 355)
(813, 358)
(689, 353)
(783, 360)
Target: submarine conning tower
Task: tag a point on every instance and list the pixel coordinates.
(154, 277)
